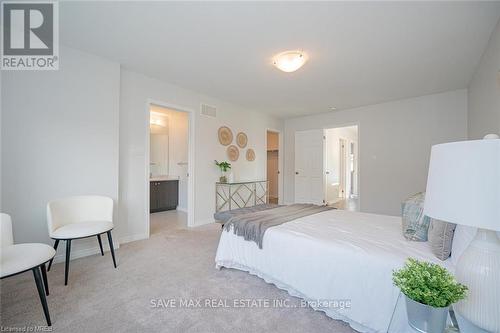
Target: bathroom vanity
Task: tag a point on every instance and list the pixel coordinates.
(163, 193)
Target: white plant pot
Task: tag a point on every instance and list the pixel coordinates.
(426, 318)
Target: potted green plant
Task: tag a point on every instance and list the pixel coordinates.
(429, 290)
(223, 166)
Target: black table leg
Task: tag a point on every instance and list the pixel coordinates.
(100, 243)
(44, 277)
(110, 240)
(66, 269)
(41, 293)
(55, 248)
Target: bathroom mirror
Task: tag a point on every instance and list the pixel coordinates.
(158, 148)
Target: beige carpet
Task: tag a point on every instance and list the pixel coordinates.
(175, 263)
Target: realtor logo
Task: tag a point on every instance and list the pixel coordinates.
(30, 36)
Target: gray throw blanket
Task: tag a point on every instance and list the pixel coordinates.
(252, 226)
(225, 216)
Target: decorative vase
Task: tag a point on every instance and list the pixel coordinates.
(223, 179)
(425, 318)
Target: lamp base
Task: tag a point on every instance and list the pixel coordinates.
(479, 269)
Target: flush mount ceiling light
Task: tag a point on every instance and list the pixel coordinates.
(289, 61)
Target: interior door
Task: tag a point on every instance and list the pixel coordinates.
(309, 167)
(342, 168)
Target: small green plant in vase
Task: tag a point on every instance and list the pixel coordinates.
(429, 290)
(224, 167)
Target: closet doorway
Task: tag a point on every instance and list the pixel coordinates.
(273, 155)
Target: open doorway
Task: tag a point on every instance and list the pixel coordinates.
(273, 166)
(169, 145)
(341, 163)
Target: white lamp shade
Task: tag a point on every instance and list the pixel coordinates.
(463, 185)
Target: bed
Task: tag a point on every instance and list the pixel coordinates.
(223, 216)
(332, 255)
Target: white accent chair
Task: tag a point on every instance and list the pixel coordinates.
(80, 217)
(20, 258)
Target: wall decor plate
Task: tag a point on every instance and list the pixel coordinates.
(225, 135)
(241, 140)
(233, 153)
(250, 155)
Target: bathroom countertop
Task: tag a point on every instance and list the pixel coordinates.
(163, 178)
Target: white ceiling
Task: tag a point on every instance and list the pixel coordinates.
(360, 53)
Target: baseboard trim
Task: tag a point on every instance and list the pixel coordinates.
(90, 251)
(133, 238)
(203, 222)
(182, 209)
(75, 254)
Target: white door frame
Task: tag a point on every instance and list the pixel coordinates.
(342, 167)
(280, 162)
(358, 160)
(191, 158)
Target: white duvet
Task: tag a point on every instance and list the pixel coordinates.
(333, 255)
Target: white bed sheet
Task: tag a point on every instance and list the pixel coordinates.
(333, 255)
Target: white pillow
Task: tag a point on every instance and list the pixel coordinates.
(461, 240)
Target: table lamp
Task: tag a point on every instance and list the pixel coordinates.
(463, 187)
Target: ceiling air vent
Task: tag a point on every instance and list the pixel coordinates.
(207, 110)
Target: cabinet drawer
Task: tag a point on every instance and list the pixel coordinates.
(164, 195)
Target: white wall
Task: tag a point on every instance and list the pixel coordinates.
(136, 89)
(1, 140)
(83, 130)
(484, 91)
(59, 138)
(394, 144)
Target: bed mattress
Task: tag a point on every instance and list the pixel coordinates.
(329, 256)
